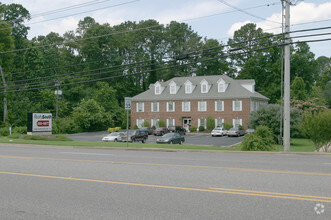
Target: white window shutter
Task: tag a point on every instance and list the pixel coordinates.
(240, 103)
(233, 105)
(143, 107)
(222, 105)
(137, 108)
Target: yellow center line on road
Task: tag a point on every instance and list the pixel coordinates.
(170, 165)
(213, 190)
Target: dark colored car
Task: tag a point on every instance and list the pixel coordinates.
(136, 135)
(148, 130)
(160, 131)
(235, 132)
(177, 129)
(171, 138)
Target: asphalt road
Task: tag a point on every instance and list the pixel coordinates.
(203, 139)
(70, 183)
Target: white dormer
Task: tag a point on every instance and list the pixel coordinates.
(173, 87)
(158, 88)
(188, 87)
(204, 86)
(222, 85)
(249, 85)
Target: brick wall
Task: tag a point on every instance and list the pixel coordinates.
(228, 114)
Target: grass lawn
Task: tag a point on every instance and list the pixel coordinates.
(297, 145)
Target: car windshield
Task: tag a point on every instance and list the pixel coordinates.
(159, 129)
(217, 128)
(113, 134)
(169, 135)
(233, 129)
(131, 132)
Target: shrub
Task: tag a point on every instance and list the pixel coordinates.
(42, 138)
(65, 126)
(14, 136)
(4, 131)
(145, 124)
(261, 140)
(110, 130)
(153, 127)
(210, 123)
(317, 127)
(19, 130)
(201, 128)
(162, 123)
(193, 129)
(135, 127)
(227, 125)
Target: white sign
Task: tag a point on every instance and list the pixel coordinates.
(58, 92)
(42, 122)
(127, 103)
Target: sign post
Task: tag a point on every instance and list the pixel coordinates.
(127, 106)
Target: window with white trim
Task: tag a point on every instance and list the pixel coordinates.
(140, 107)
(202, 106)
(221, 87)
(204, 88)
(186, 106)
(170, 122)
(188, 88)
(154, 107)
(202, 122)
(140, 122)
(237, 105)
(219, 122)
(173, 89)
(170, 106)
(154, 122)
(236, 122)
(157, 89)
(219, 106)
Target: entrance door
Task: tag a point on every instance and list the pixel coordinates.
(187, 123)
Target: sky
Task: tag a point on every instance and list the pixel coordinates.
(212, 19)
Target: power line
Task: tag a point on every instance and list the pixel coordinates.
(245, 12)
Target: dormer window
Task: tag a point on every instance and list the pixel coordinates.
(222, 85)
(204, 86)
(188, 87)
(173, 87)
(157, 88)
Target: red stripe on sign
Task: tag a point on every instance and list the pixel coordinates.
(42, 123)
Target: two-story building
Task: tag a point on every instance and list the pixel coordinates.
(184, 101)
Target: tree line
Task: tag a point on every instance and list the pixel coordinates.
(97, 65)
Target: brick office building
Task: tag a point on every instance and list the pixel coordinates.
(184, 101)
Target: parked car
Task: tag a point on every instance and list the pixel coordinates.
(218, 132)
(171, 138)
(135, 136)
(148, 130)
(114, 136)
(177, 129)
(249, 131)
(160, 131)
(235, 132)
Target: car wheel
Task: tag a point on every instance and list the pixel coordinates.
(181, 142)
(115, 140)
(171, 142)
(133, 140)
(144, 140)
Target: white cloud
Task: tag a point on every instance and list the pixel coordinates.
(299, 14)
(61, 27)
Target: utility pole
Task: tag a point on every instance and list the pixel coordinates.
(4, 95)
(287, 78)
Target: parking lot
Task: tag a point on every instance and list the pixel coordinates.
(202, 139)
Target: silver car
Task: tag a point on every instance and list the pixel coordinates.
(235, 132)
(218, 132)
(113, 137)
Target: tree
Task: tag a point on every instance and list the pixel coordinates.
(317, 128)
(270, 116)
(298, 90)
(210, 123)
(90, 116)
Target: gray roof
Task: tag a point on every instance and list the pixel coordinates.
(234, 89)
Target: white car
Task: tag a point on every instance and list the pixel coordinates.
(218, 132)
(114, 137)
